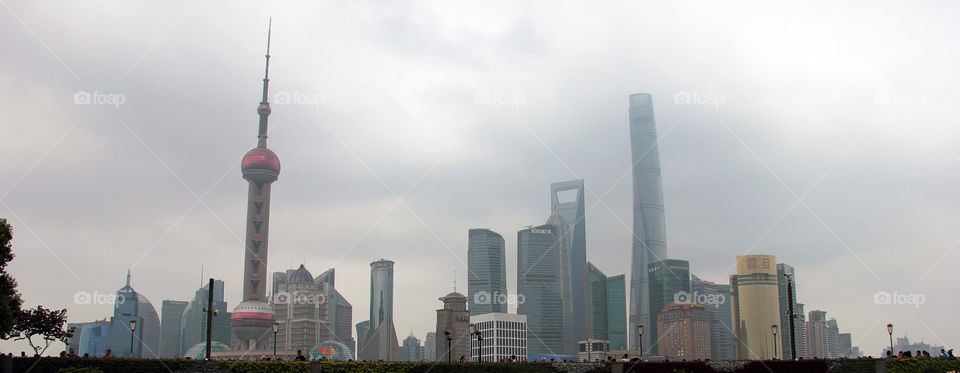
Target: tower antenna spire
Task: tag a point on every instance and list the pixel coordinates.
(264, 108)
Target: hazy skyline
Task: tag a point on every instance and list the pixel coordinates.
(823, 134)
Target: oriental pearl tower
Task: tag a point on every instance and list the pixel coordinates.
(252, 319)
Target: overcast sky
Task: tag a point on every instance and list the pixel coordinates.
(823, 133)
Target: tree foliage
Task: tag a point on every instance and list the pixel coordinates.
(43, 323)
(10, 300)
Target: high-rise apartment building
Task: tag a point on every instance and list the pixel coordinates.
(669, 281)
(649, 223)
(756, 307)
(486, 272)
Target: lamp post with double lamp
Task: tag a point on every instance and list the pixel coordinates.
(890, 332)
(133, 325)
(475, 332)
(640, 332)
(449, 341)
(773, 329)
(276, 328)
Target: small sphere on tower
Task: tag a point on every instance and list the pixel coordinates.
(263, 109)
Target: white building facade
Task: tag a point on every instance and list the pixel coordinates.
(504, 336)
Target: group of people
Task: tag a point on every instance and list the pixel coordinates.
(920, 354)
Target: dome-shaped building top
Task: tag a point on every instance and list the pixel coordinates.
(301, 276)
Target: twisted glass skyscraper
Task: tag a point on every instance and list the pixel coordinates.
(649, 226)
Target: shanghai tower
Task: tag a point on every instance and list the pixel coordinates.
(649, 227)
(252, 319)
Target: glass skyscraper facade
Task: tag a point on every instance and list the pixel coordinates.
(487, 272)
(194, 320)
(606, 307)
(538, 281)
(133, 306)
(617, 312)
(567, 217)
(649, 223)
(721, 335)
(783, 270)
(171, 313)
(668, 279)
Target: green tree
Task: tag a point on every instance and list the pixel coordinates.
(43, 323)
(10, 300)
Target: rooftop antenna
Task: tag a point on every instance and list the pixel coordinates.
(264, 108)
(454, 281)
(201, 274)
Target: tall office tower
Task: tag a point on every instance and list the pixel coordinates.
(684, 331)
(429, 346)
(756, 307)
(379, 342)
(706, 293)
(133, 306)
(171, 313)
(252, 320)
(567, 215)
(538, 280)
(721, 336)
(504, 336)
(486, 272)
(649, 223)
(784, 270)
(411, 349)
(193, 324)
(453, 328)
(606, 308)
(834, 350)
(669, 282)
(817, 338)
(617, 312)
(74, 341)
(596, 303)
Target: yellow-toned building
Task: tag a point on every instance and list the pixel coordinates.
(756, 307)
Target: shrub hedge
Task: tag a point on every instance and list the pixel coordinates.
(922, 365)
(93, 365)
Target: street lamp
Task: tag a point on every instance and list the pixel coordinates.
(773, 329)
(449, 340)
(474, 331)
(890, 331)
(640, 332)
(276, 328)
(133, 325)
